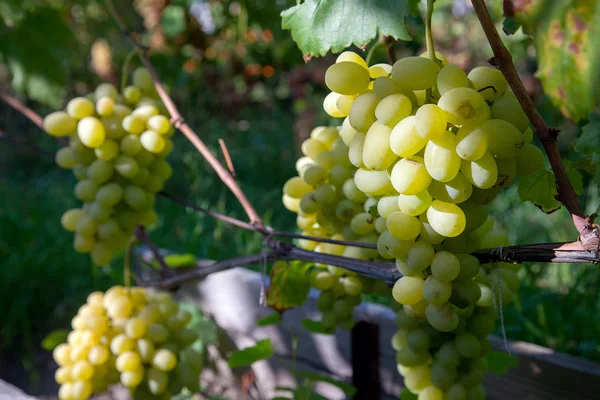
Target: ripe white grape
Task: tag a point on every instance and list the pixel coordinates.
(508, 109)
(376, 149)
(464, 106)
(393, 109)
(59, 124)
(430, 121)
(504, 139)
(410, 176)
(415, 73)
(373, 182)
(91, 132)
(491, 78)
(447, 219)
(441, 161)
(408, 290)
(415, 204)
(347, 77)
(450, 77)
(471, 143)
(402, 226)
(362, 112)
(405, 141)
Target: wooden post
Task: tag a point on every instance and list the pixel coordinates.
(365, 361)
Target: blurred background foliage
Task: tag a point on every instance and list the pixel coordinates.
(236, 75)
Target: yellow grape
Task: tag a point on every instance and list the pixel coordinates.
(59, 123)
(133, 378)
(347, 77)
(362, 112)
(91, 132)
(409, 176)
(408, 290)
(80, 107)
(82, 370)
(464, 106)
(471, 143)
(402, 226)
(62, 354)
(441, 160)
(430, 121)
(330, 105)
(375, 183)
(351, 57)
(447, 219)
(376, 149)
(152, 141)
(415, 73)
(164, 360)
(415, 204)
(405, 141)
(128, 361)
(393, 109)
(482, 173)
(105, 106)
(377, 70)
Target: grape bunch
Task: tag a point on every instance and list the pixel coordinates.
(132, 337)
(430, 146)
(117, 149)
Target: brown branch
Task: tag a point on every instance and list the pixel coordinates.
(389, 48)
(28, 113)
(141, 234)
(547, 135)
(184, 128)
(227, 157)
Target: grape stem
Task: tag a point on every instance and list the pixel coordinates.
(140, 233)
(548, 136)
(227, 158)
(179, 123)
(27, 112)
(125, 70)
(429, 34)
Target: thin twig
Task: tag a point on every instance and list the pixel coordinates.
(547, 135)
(179, 123)
(389, 48)
(227, 157)
(141, 234)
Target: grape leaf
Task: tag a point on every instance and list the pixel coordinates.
(34, 50)
(540, 189)
(574, 176)
(499, 363)
(510, 25)
(407, 395)
(55, 338)
(260, 351)
(567, 40)
(289, 285)
(316, 326)
(589, 140)
(271, 319)
(346, 388)
(176, 261)
(320, 26)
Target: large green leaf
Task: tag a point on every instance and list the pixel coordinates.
(260, 351)
(567, 39)
(540, 189)
(499, 363)
(35, 50)
(320, 26)
(289, 285)
(589, 143)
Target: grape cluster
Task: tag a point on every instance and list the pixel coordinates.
(117, 149)
(430, 146)
(131, 337)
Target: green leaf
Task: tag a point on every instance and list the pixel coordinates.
(499, 363)
(510, 25)
(54, 338)
(272, 319)
(35, 50)
(260, 351)
(316, 326)
(347, 388)
(589, 140)
(320, 26)
(540, 189)
(173, 20)
(574, 176)
(289, 285)
(567, 40)
(407, 395)
(176, 261)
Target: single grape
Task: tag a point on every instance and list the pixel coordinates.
(405, 141)
(59, 124)
(91, 132)
(347, 78)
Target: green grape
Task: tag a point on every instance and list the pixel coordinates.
(428, 234)
(377, 70)
(465, 293)
(481, 325)
(141, 178)
(66, 158)
(399, 339)
(108, 150)
(342, 308)
(529, 160)
(315, 175)
(442, 317)
(133, 378)
(126, 166)
(448, 355)
(405, 141)
(389, 246)
(330, 105)
(132, 95)
(99, 212)
(80, 107)
(108, 229)
(325, 160)
(384, 87)
(507, 170)
(420, 256)
(322, 280)
(142, 79)
(436, 291)
(409, 176)
(159, 123)
(376, 149)
(445, 266)
(494, 238)
(409, 358)
(105, 106)
(484, 77)
(362, 223)
(109, 194)
(133, 124)
(393, 109)
(415, 73)
(154, 184)
(83, 243)
(442, 377)
(402, 226)
(162, 169)
(164, 360)
(312, 148)
(347, 77)
(415, 204)
(362, 112)
(346, 210)
(356, 149)
(131, 145)
(455, 191)
(441, 161)
(91, 132)
(418, 340)
(128, 361)
(80, 172)
(152, 141)
(387, 205)
(440, 57)
(469, 266)
(504, 139)
(482, 173)
(70, 218)
(327, 135)
(450, 77)
(508, 109)
(352, 286)
(408, 290)
(456, 392)
(471, 143)
(100, 171)
(59, 124)
(352, 193)
(144, 112)
(106, 90)
(467, 345)
(374, 183)
(325, 194)
(86, 225)
(430, 122)
(418, 378)
(347, 132)
(464, 106)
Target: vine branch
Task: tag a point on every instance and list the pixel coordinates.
(140, 233)
(180, 124)
(548, 136)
